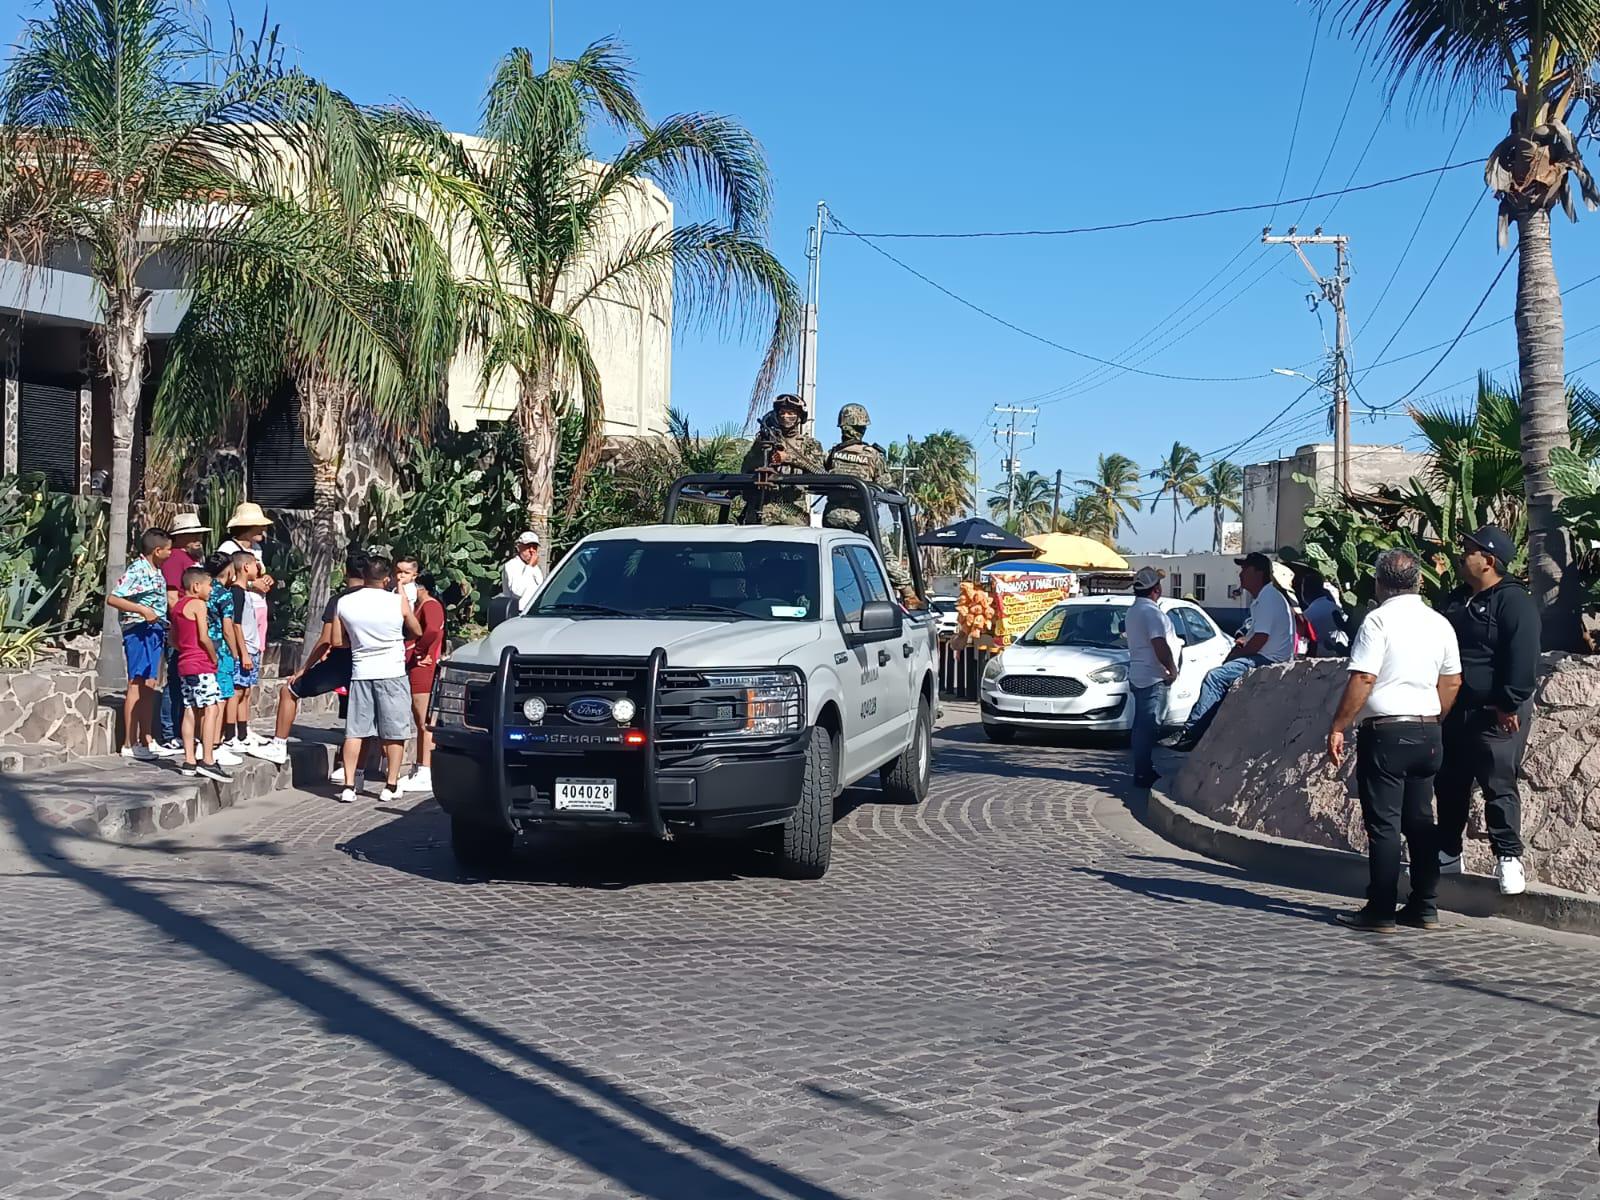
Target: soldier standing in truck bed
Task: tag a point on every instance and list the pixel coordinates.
(854, 455)
(783, 442)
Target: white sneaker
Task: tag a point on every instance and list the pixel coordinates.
(390, 794)
(234, 745)
(269, 750)
(420, 780)
(1512, 881)
(347, 796)
(162, 750)
(336, 777)
(141, 753)
(227, 757)
(1449, 864)
(257, 739)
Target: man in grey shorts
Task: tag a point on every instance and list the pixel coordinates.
(373, 622)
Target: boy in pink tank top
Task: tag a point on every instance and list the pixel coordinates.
(197, 673)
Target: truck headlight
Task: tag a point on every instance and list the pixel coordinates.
(1115, 673)
(451, 705)
(774, 701)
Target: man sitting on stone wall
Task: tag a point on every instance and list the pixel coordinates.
(1271, 641)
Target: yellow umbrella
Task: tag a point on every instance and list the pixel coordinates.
(1070, 550)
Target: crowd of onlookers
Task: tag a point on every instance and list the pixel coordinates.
(194, 633)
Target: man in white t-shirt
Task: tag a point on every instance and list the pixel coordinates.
(373, 622)
(522, 576)
(1404, 674)
(1270, 640)
(1152, 665)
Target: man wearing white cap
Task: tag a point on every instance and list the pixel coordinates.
(522, 576)
(1151, 667)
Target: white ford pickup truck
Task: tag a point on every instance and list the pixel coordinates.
(722, 679)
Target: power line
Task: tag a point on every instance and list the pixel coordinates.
(1338, 132)
(1189, 216)
(1360, 158)
(1294, 132)
(1028, 333)
(1427, 287)
(1494, 283)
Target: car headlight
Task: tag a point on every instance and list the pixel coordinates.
(1115, 673)
(451, 705)
(994, 669)
(774, 701)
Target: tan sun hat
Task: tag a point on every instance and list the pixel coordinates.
(187, 523)
(249, 516)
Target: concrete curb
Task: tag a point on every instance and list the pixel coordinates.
(1300, 864)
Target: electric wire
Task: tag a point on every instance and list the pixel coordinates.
(1338, 132)
(1484, 299)
(1427, 287)
(1299, 109)
(1166, 220)
(1028, 333)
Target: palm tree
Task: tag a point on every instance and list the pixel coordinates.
(1222, 491)
(117, 120)
(939, 475)
(1180, 480)
(1540, 51)
(553, 239)
(340, 283)
(1113, 490)
(1029, 501)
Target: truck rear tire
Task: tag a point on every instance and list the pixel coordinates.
(905, 780)
(806, 838)
(478, 847)
(1002, 735)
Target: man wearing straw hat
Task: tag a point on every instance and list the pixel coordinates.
(188, 549)
(247, 529)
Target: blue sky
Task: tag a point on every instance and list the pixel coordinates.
(936, 116)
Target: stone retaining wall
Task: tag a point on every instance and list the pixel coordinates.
(1263, 766)
(53, 704)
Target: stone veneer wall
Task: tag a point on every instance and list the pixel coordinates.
(1263, 766)
(53, 703)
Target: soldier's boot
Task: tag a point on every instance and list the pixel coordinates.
(910, 599)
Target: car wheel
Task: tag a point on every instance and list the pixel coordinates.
(1002, 735)
(480, 848)
(905, 780)
(806, 839)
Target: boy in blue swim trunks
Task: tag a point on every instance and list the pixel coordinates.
(223, 630)
(141, 597)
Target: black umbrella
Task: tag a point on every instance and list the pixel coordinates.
(974, 533)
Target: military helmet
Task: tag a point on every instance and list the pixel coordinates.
(853, 414)
(789, 400)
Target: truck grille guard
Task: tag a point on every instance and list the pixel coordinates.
(503, 679)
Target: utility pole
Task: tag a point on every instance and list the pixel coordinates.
(1055, 507)
(1011, 435)
(1333, 292)
(807, 388)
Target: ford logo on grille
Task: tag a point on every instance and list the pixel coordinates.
(589, 709)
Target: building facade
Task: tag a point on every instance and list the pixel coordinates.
(56, 417)
(1275, 502)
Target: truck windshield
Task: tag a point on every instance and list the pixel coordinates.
(763, 581)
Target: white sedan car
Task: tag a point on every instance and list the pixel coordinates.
(1070, 670)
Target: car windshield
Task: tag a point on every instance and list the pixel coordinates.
(759, 580)
(942, 606)
(1099, 626)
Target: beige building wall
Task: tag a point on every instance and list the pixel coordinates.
(1275, 502)
(630, 337)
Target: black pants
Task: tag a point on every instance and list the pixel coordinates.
(1395, 766)
(1475, 751)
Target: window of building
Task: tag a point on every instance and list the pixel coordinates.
(1177, 583)
(1200, 586)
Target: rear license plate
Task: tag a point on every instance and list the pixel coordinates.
(586, 795)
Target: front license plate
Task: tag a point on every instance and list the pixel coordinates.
(586, 795)
(1037, 706)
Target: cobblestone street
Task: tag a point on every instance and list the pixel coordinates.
(1013, 991)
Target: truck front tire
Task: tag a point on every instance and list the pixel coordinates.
(806, 838)
(905, 780)
(478, 847)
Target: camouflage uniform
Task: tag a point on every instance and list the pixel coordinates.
(853, 456)
(801, 453)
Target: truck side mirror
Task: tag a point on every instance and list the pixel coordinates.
(501, 609)
(881, 621)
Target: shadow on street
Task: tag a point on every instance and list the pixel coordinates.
(580, 1130)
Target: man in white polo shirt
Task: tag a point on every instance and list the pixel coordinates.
(1404, 673)
(521, 577)
(1270, 640)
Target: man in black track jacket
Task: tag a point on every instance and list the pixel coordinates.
(1497, 627)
